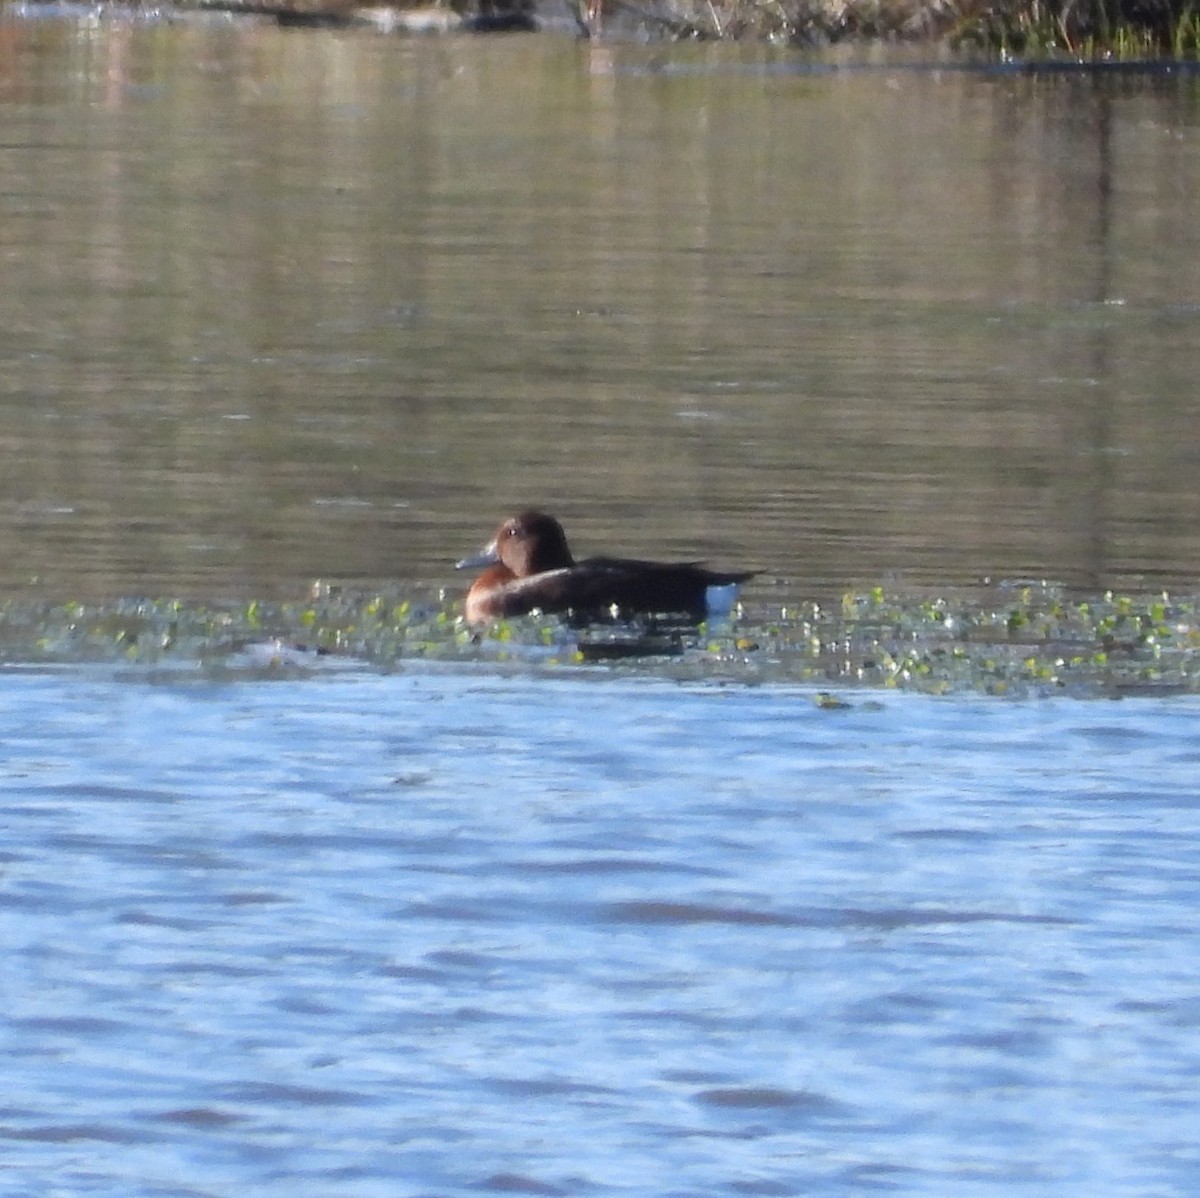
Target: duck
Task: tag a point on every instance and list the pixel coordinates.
(529, 567)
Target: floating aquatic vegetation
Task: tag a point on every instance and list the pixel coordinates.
(1010, 639)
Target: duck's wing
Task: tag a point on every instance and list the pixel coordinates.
(652, 588)
(600, 584)
(549, 591)
(679, 572)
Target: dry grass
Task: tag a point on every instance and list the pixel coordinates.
(1079, 28)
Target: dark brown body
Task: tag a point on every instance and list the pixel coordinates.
(531, 568)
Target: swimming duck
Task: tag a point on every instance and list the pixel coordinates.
(530, 567)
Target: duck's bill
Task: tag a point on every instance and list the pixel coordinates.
(487, 556)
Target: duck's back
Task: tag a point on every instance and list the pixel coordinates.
(647, 587)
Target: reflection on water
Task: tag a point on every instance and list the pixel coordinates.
(286, 305)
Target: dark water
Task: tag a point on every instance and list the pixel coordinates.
(437, 933)
(283, 305)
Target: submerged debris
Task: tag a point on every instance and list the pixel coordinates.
(1028, 638)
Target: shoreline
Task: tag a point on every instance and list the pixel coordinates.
(1062, 35)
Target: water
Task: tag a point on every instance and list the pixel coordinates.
(283, 305)
(280, 307)
(434, 933)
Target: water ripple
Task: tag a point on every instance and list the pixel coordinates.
(929, 947)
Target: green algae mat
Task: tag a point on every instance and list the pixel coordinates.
(1017, 639)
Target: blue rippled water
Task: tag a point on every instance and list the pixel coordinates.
(450, 932)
